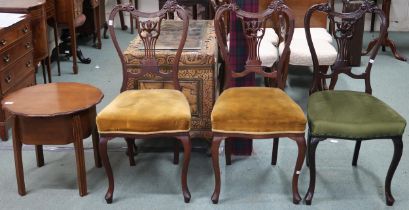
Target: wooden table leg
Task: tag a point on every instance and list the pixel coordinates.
(73, 46)
(18, 160)
(79, 155)
(373, 17)
(39, 155)
(97, 27)
(121, 17)
(56, 38)
(386, 7)
(48, 65)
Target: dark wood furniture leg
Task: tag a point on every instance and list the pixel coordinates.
(79, 156)
(300, 140)
(43, 68)
(73, 38)
(4, 134)
(373, 18)
(130, 144)
(356, 152)
(95, 140)
(274, 152)
(386, 6)
(97, 26)
(176, 152)
(215, 159)
(131, 20)
(121, 17)
(18, 159)
(56, 38)
(397, 154)
(95, 143)
(187, 147)
(228, 147)
(108, 170)
(39, 155)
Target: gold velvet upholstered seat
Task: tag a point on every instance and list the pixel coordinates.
(257, 110)
(146, 111)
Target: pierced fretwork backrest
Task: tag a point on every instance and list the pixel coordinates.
(343, 32)
(149, 29)
(254, 27)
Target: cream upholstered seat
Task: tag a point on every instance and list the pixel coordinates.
(268, 50)
(301, 55)
(316, 34)
(271, 36)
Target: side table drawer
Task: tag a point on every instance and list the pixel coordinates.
(10, 36)
(16, 72)
(11, 55)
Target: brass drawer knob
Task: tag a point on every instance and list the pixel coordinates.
(28, 45)
(25, 29)
(28, 64)
(3, 42)
(6, 58)
(7, 79)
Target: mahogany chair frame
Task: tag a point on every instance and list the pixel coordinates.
(148, 31)
(343, 32)
(252, 23)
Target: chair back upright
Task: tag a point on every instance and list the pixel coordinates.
(254, 27)
(343, 32)
(149, 29)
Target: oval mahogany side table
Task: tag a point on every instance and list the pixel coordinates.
(54, 114)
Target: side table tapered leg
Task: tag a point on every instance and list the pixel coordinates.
(79, 156)
(18, 159)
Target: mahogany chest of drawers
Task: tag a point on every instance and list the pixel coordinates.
(16, 60)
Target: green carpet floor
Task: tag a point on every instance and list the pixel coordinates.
(249, 183)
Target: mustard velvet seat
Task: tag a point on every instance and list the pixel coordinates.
(146, 111)
(352, 115)
(257, 110)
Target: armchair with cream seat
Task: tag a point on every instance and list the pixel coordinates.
(256, 112)
(300, 55)
(153, 113)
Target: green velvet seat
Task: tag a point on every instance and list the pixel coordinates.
(352, 115)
